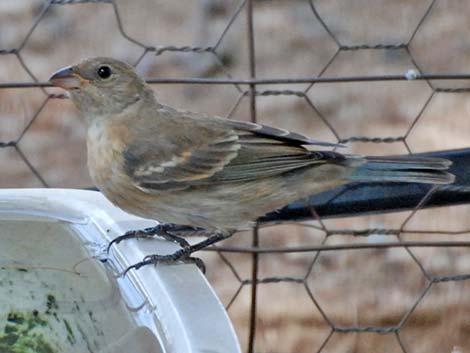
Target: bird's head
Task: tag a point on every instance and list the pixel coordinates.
(102, 86)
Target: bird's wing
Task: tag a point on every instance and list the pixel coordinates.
(277, 134)
(261, 156)
(177, 162)
(214, 151)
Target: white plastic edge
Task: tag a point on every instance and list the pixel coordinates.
(187, 309)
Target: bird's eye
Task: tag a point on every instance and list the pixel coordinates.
(104, 72)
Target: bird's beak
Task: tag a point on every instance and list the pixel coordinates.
(67, 79)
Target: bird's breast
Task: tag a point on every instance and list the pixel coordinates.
(106, 142)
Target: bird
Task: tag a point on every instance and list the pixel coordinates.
(195, 171)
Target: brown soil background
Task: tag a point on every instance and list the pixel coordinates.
(360, 287)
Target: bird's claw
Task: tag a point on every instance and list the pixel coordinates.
(128, 235)
(182, 256)
(163, 230)
(166, 259)
(132, 234)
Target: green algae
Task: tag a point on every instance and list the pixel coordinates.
(19, 335)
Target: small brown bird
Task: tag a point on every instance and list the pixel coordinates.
(194, 170)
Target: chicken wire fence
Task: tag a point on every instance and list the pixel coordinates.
(323, 326)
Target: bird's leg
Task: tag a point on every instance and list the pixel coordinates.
(183, 255)
(164, 230)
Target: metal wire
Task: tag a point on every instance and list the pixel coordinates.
(273, 81)
(249, 88)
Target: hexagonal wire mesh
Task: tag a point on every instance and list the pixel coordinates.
(328, 328)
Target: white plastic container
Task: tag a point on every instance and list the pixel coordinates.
(58, 293)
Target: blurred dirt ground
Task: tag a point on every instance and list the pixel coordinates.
(356, 287)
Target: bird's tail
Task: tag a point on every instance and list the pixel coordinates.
(409, 169)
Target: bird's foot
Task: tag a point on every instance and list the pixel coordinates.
(180, 256)
(183, 255)
(166, 231)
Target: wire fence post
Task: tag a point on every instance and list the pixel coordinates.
(255, 241)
